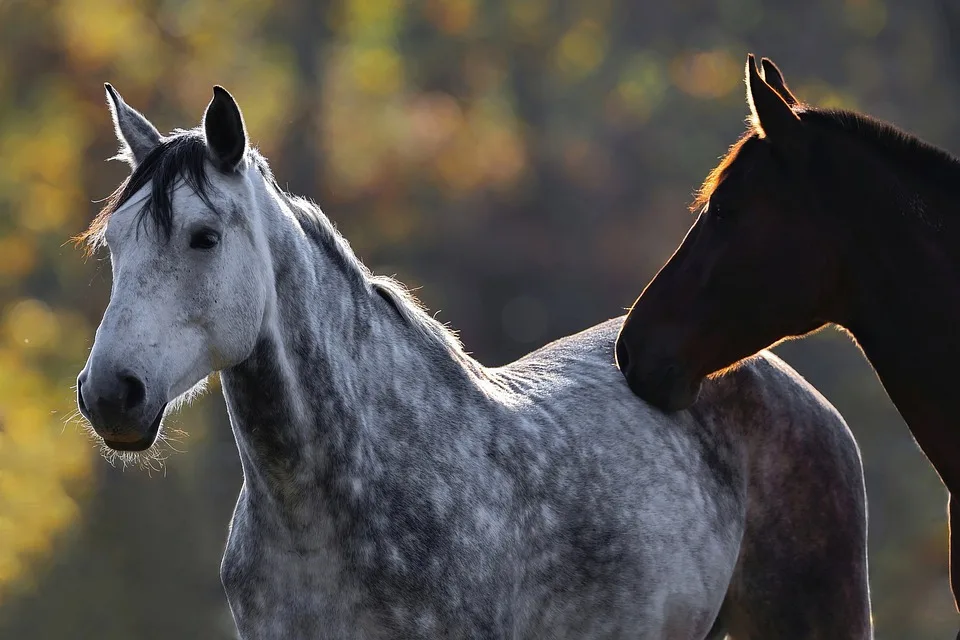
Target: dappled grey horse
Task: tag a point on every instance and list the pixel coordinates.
(395, 488)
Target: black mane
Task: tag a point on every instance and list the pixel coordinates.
(906, 150)
(184, 156)
(181, 156)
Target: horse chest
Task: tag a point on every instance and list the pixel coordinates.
(275, 591)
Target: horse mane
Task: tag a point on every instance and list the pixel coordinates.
(906, 150)
(321, 230)
(713, 178)
(183, 155)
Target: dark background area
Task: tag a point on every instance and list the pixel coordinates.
(527, 163)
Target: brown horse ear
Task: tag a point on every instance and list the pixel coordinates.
(772, 76)
(770, 114)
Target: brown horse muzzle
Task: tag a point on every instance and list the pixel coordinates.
(656, 380)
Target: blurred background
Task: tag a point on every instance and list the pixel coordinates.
(528, 163)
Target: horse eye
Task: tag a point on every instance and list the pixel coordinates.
(204, 239)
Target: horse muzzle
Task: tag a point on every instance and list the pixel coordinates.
(661, 382)
(117, 406)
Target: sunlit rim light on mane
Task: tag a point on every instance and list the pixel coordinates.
(897, 145)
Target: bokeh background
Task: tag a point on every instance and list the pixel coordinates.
(526, 162)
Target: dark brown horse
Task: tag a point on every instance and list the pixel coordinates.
(816, 216)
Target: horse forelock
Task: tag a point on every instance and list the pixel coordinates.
(180, 156)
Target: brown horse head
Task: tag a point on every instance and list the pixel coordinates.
(761, 262)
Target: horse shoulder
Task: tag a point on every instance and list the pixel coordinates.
(790, 431)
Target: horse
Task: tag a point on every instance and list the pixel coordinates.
(815, 216)
(395, 487)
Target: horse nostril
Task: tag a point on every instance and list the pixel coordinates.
(80, 403)
(134, 392)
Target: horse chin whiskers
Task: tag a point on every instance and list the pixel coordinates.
(153, 459)
(187, 397)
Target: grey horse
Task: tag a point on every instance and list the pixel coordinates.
(393, 487)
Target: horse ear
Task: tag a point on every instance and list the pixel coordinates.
(136, 135)
(224, 130)
(770, 114)
(772, 76)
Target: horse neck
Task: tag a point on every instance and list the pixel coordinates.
(334, 366)
(905, 304)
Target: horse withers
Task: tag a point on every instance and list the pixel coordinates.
(394, 487)
(815, 216)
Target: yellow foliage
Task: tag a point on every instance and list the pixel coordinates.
(10, 565)
(213, 25)
(39, 457)
(49, 206)
(40, 152)
(265, 88)
(581, 49)
(110, 31)
(706, 74)
(378, 71)
(376, 19)
(360, 129)
(19, 256)
(262, 83)
(31, 323)
(451, 16)
(485, 151)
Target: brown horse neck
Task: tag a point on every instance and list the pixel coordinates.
(905, 315)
